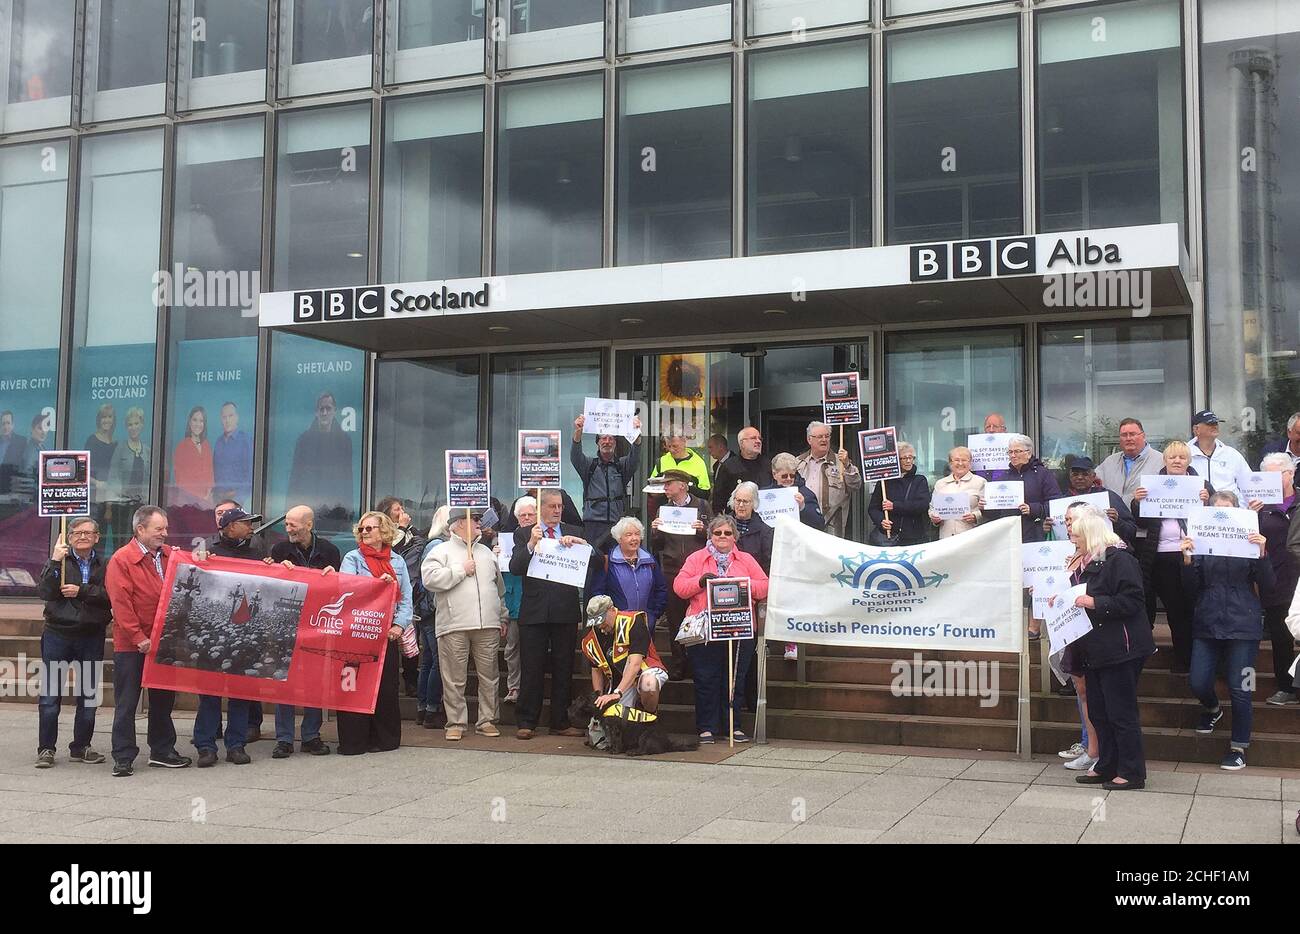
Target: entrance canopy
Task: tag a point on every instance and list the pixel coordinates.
(1136, 269)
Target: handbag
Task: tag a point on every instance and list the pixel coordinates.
(410, 642)
(693, 629)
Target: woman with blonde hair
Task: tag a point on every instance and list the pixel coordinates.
(1161, 558)
(1112, 654)
(374, 557)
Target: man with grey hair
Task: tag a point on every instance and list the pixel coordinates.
(134, 580)
(77, 615)
(1290, 445)
(833, 480)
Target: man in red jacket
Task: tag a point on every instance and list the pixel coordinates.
(134, 581)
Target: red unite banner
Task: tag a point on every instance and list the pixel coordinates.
(264, 632)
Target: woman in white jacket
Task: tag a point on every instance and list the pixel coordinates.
(471, 619)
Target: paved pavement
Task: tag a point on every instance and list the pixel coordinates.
(787, 793)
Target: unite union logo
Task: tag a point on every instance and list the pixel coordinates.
(329, 617)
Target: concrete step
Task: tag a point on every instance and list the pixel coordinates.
(1274, 750)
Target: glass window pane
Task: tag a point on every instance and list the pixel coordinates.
(550, 175)
(793, 16)
(33, 199)
(313, 451)
(1091, 377)
(433, 187)
(435, 39)
(322, 197)
(38, 80)
(674, 163)
(1110, 116)
(537, 391)
(953, 133)
(941, 385)
(543, 31)
(126, 58)
(212, 361)
(415, 425)
(222, 53)
(809, 149)
(325, 45)
(906, 7)
(115, 328)
(665, 24)
(1251, 157)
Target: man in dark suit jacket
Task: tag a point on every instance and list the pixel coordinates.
(550, 615)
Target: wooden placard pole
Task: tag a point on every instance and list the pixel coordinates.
(731, 694)
(884, 498)
(63, 539)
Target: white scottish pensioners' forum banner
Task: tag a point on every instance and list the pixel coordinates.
(962, 593)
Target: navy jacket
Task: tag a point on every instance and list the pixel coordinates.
(1223, 591)
(910, 495)
(1274, 524)
(1040, 487)
(811, 513)
(1147, 546)
(756, 541)
(1124, 523)
(1120, 629)
(649, 591)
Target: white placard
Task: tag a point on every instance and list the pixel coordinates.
(1170, 497)
(989, 452)
(950, 505)
(1066, 622)
(678, 520)
(1265, 487)
(1004, 494)
(1037, 557)
(609, 417)
(559, 564)
(1047, 584)
(1056, 508)
(506, 543)
(1222, 530)
(777, 502)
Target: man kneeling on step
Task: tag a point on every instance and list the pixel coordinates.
(625, 666)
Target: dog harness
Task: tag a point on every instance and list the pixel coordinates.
(631, 714)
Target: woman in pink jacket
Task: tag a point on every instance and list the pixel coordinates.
(719, 558)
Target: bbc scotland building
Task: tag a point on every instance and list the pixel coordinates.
(292, 251)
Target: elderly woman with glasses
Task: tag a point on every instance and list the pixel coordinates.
(908, 504)
(374, 557)
(719, 558)
(785, 472)
(1040, 488)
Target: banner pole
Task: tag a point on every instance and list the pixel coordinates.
(841, 436)
(884, 497)
(63, 540)
(731, 694)
(1024, 746)
(760, 708)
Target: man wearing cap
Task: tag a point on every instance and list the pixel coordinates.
(1223, 466)
(625, 667)
(672, 551)
(550, 615)
(234, 541)
(1083, 480)
(1122, 471)
(470, 617)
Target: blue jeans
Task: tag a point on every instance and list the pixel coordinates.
(1238, 656)
(284, 721)
(428, 692)
(255, 715)
(208, 722)
(128, 669)
(1083, 723)
(709, 664)
(85, 656)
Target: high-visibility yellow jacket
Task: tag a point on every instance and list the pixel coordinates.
(692, 463)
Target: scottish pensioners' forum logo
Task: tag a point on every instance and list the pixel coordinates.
(887, 582)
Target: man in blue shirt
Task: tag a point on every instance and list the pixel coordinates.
(232, 457)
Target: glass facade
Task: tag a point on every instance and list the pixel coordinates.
(808, 153)
(595, 134)
(674, 163)
(549, 175)
(952, 131)
(38, 76)
(1110, 116)
(433, 187)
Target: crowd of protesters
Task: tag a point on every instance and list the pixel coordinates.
(471, 606)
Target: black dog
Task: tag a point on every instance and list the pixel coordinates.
(627, 733)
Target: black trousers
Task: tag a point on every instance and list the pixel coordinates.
(128, 670)
(1113, 710)
(540, 644)
(1283, 645)
(674, 613)
(1167, 583)
(382, 730)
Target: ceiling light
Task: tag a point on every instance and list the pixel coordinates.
(773, 311)
(632, 320)
(498, 328)
(355, 255)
